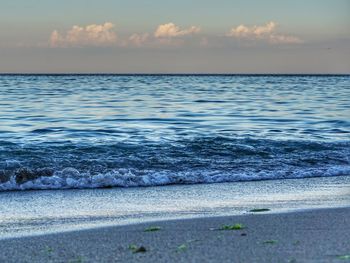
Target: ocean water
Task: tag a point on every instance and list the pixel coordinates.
(91, 131)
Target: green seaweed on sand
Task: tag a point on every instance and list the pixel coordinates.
(152, 229)
(272, 242)
(193, 240)
(49, 249)
(182, 248)
(256, 210)
(232, 227)
(137, 249)
(344, 257)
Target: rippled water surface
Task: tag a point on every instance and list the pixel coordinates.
(74, 131)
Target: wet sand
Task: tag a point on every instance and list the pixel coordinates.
(27, 213)
(321, 235)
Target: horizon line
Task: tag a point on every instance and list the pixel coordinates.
(174, 74)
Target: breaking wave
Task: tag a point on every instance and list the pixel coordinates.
(190, 161)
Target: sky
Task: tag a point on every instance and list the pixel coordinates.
(183, 36)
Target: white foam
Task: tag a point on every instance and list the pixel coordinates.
(70, 178)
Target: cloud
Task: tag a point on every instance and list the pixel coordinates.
(165, 35)
(265, 32)
(170, 30)
(90, 35)
(104, 35)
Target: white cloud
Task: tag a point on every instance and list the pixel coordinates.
(265, 32)
(171, 30)
(90, 35)
(168, 34)
(265, 29)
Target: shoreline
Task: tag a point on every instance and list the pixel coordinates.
(31, 213)
(312, 235)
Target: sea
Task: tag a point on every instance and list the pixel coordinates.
(100, 131)
(85, 151)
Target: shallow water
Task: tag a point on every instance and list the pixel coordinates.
(88, 131)
(41, 212)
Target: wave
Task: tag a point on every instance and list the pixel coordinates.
(187, 161)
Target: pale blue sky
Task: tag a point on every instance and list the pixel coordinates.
(322, 26)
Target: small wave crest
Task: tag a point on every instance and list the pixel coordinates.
(70, 178)
(204, 160)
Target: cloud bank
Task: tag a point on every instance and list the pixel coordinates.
(168, 34)
(171, 30)
(265, 32)
(91, 35)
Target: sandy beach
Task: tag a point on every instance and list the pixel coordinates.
(320, 235)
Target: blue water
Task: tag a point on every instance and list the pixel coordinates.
(87, 131)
